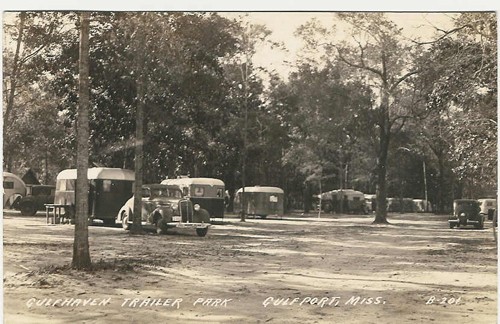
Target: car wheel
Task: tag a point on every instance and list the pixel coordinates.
(69, 214)
(125, 224)
(161, 227)
(328, 208)
(16, 202)
(452, 225)
(201, 232)
(28, 209)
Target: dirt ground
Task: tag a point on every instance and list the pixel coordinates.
(299, 269)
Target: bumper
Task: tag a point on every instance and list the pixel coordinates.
(463, 222)
(188, 225)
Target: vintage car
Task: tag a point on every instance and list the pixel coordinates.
(466, 212)
(164, 207)
(206, 192)
(488, 207)
(36, 198)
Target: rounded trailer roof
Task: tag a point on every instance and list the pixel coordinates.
(197, 181)
(347, 192)
(487, 199)
(261, 189)
(159, 185)
(12, 175)
(100, 173)
(465, 200)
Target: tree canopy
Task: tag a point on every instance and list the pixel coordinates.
(367, 114)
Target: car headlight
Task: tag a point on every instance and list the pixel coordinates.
(462, 214)
(175, 206)
(196, 207)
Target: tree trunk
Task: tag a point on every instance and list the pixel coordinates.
(441, 186)
(12, 91)
(307, 197)
(244, 201)
(139, 156)
(381, 212)
(139, 131)
(81, 254)
(14, 72)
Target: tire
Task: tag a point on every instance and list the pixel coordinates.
(28, 209)
(452, 225)
(201, 232)
(15, 204)
(480, 225)
(328, 208)
(69, 214)
(125, 224)
(161, 227)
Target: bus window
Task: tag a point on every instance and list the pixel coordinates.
(199, 191)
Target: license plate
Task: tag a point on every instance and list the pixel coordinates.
(176, 218)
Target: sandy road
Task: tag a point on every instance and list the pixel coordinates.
(301, 269)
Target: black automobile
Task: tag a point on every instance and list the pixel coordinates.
(164, 207)
(36, 198)
(466, 212)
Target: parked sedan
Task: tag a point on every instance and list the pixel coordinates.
(466, 212)
(36, 198)
(164, 207)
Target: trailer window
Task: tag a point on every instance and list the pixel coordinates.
(66, 185)
(8, 184)
(106, 185)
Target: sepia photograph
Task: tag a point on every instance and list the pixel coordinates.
(291, 165)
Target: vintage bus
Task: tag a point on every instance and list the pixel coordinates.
(352, 201)
(400, 205)
(14, 189)
(421, 206)
(260, 201)
(109, 189)
(206, 192)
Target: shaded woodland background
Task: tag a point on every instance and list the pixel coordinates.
(381, 102)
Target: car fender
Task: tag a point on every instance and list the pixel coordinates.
(19, 201)
(123, 210)
(201, 216)
(162, 212)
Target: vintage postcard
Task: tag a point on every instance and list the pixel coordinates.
(224, 164)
